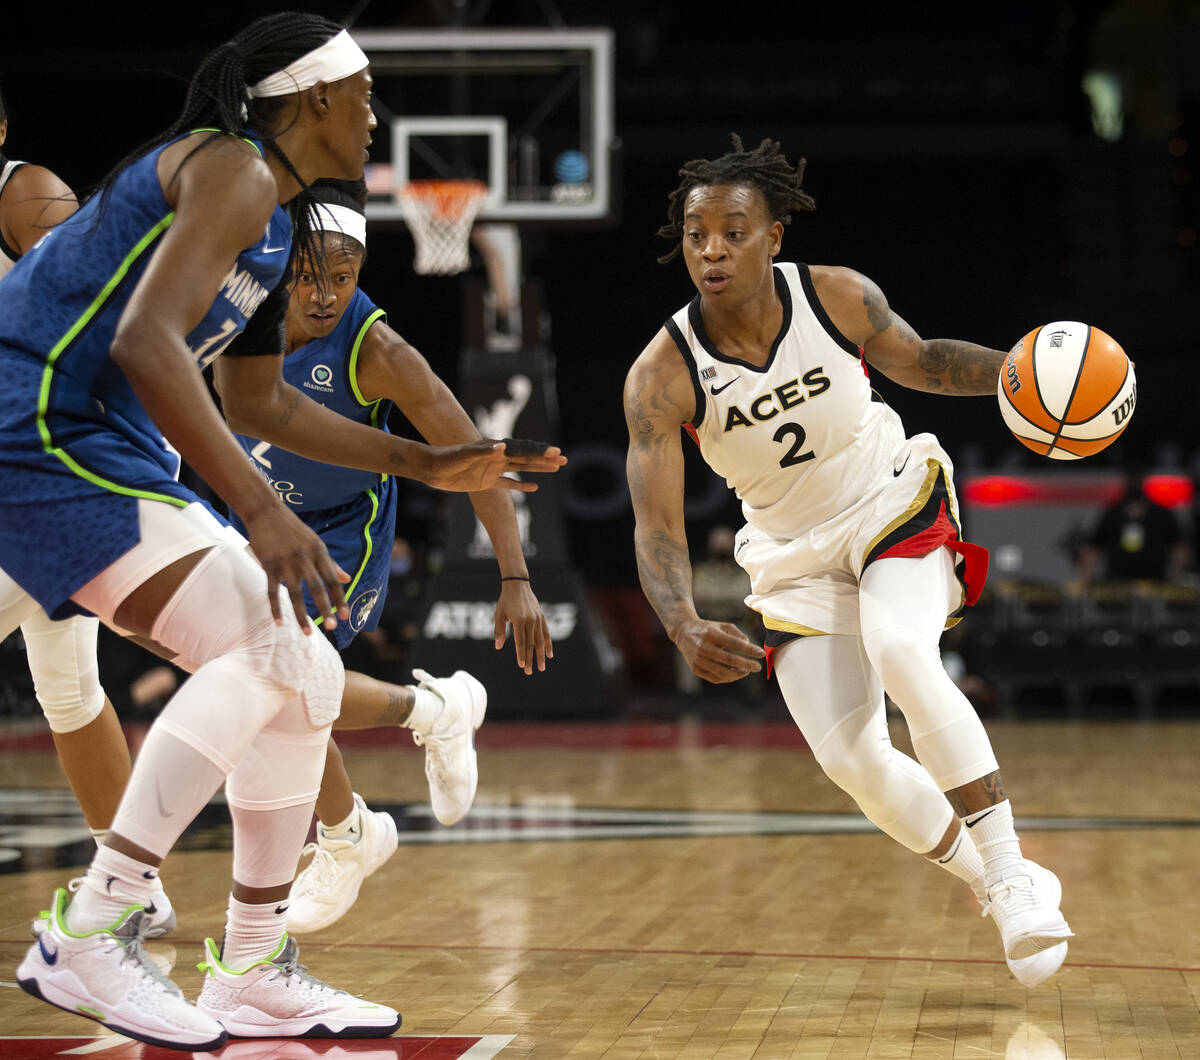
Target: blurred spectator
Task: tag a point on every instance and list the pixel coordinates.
(720, 588)
(384, 651)
(1135, 539)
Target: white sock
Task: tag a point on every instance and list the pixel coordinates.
(963, 861)
(996, 840)
(112, 884)
(345, 831)
(426, 708)
(252, 932)
(101, 834)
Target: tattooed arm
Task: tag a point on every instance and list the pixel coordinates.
(860, 311)
(658, 400)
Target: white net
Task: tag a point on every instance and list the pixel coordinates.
(439, 214)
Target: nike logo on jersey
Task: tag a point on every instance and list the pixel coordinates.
(49, 956)
(896, 470)
(273, 250)
(715, 390)
(972, 824)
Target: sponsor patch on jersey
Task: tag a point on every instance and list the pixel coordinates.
(708, 373)
(321, 379)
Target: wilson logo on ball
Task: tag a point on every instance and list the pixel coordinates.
(1014, 376)
(1123, 411)
(1080, 392)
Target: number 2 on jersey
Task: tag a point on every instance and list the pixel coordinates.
(793, 456)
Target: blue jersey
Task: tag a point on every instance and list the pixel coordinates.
(354, 512)
(325, 369)
(77, 450)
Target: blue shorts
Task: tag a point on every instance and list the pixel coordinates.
(359, 537)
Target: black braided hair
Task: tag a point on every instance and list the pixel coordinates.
(765, 168)
(217, 99)
(3, 108)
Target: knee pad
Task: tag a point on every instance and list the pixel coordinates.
(62, 660)
(221, 607)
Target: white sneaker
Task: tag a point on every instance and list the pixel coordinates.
(160, 914)
(106, 976)
(328, 885)
(277, 998)
(1028, 921)
(1032, 971)
(450, 763)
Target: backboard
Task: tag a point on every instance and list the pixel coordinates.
(528, 111)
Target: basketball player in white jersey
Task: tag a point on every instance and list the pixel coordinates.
(62, 654)
(851, 540)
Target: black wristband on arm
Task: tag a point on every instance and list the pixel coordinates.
(516, 578)
(524, 447)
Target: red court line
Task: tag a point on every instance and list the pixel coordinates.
(400, 1047)
(612, 951)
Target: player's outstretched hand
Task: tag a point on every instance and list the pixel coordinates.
(718, 651)
(484, 465)
(292, 555)
(519, 608)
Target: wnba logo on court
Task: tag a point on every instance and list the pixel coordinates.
(361, 608)
(322, 379)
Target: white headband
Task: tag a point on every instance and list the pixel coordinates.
(329, 217)
(338, 57)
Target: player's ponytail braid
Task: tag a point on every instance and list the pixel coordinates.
(217, 99)
(765, 168)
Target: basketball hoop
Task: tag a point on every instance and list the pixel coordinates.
(440, 214)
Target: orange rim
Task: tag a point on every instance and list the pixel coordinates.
(448, 199)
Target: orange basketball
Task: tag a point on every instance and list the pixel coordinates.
(1067, 390)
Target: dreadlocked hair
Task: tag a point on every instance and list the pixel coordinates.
(765, 168)
(217, 100)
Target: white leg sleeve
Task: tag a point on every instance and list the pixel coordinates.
(903, 605)
(837, 701)
(62, 660)
(253, 676)
(16, 605)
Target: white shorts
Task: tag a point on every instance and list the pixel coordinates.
(808, 585)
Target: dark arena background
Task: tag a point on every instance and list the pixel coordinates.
(992, 167)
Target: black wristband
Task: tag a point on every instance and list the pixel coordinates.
(516, 578)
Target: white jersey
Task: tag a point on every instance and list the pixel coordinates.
(827, 480)
(802, 438)
(8, 255)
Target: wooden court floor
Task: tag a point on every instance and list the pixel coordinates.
(698, 892)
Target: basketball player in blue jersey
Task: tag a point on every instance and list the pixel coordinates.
(103, 327)
(851, 540)
(62, 655)
(342, 350)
